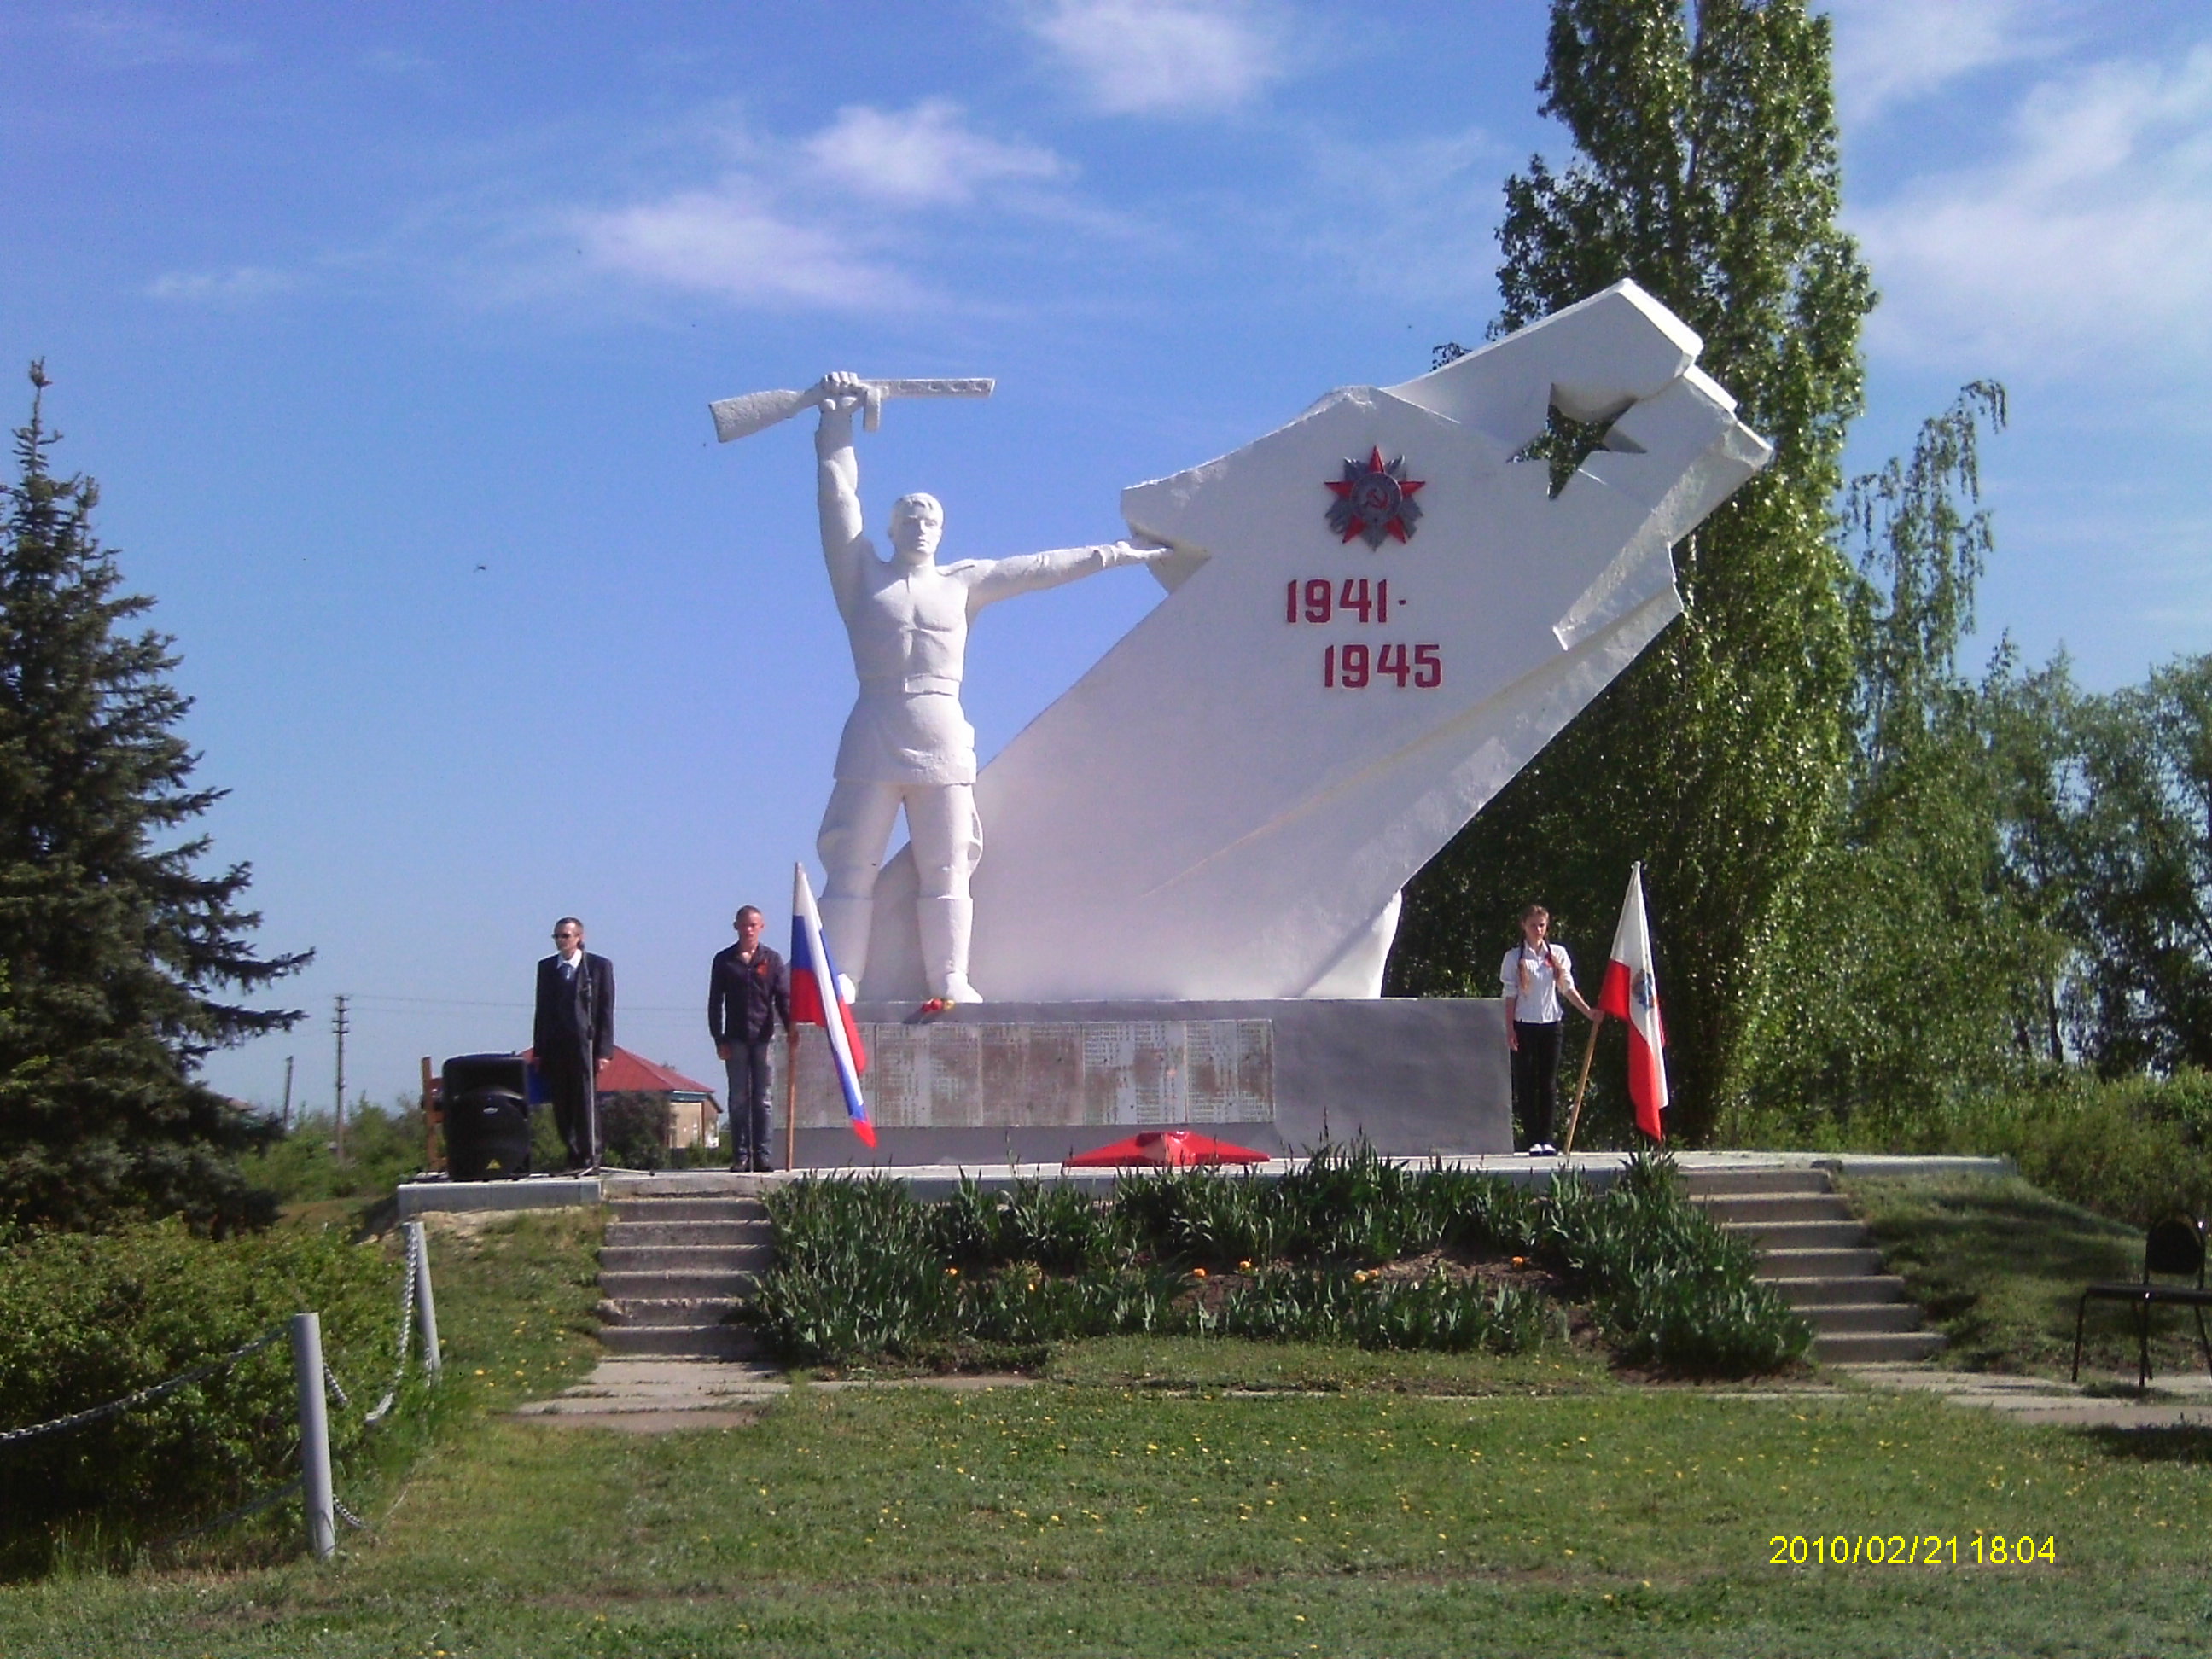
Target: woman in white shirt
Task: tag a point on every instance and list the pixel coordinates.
(1536, 974)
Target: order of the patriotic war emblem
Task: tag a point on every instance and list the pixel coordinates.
(1375, 499)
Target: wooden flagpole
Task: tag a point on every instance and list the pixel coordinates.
(790, 1095)
(1589, 1052)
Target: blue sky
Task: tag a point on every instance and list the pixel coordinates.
(388, 331)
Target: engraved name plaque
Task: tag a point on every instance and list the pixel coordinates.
(983, 1075)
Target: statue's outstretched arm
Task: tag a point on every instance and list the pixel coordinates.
(1001, 579)
(837, 487)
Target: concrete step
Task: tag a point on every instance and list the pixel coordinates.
(631, 1235)
(683, 1258)
(678, 1184)
(1738, 1209)
(660, 1286)
(1801, 1235)
(1715, 1183)
(1850, 1289)
(687, 1209)
(1842, 1318)
(668, 1310)
(1875, 1347)
(681, 1341)
(1824, 1263)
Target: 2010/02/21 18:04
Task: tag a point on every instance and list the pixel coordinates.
(1919, 1550)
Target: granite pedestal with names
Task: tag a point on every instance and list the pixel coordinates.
(1035, 1081)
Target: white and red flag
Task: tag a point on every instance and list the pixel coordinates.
(817, 999)
(1631, 995)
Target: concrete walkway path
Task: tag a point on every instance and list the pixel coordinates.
(2175, 1402)
(655, 1396)
(658, 1397)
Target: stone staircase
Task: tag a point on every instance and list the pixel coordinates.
(681, 1251)
(1819, 1256)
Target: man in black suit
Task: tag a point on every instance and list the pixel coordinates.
(574, 1034)
(748, 990)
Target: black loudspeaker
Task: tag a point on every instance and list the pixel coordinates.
(487, 1107)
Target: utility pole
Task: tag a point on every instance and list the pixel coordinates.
(338, 1025)
(287, 1119)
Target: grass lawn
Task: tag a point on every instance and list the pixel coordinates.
(1129, 1505)
(1074, 1519)
(1999, 1266)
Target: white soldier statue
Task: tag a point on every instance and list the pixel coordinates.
(907, 741)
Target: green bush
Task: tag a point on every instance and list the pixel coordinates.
(85, 1319)
(2135, 1150)
(385, 1145)
(863, 1270)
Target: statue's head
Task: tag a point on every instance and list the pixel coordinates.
(917, 521)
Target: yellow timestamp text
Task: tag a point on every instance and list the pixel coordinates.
(1931, 1549)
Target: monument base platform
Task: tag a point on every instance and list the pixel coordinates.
(1035, 1082)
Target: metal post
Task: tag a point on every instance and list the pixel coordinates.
(592, 1101)
(314, 1436)
(425, 1305)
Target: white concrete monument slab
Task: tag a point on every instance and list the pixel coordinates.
(1376, 615)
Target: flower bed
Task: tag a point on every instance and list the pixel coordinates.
(1349, 1248)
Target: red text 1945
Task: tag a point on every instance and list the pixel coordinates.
(1355, 666)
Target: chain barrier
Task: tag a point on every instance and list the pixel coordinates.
(404, 1346)
(146, 1395)
(411, 1276)
(411, 1279)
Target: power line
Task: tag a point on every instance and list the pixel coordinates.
(381, 999)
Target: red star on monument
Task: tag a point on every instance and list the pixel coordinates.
(1374, 501)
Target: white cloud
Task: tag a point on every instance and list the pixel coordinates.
(732, 242)
(135, 37)
(922, 156)
(2091, 233)
(1892, 51)
(1138, 56)
(240, 285)
(827, 221)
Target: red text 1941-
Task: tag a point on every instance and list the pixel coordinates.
(1320, 601)
(1356, 666)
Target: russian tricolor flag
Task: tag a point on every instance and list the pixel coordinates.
(814, 992)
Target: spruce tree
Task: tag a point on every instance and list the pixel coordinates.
(1705, 169)
(116, 950)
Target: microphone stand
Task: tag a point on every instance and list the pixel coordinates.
(591, 1066)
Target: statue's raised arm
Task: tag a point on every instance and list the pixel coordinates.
(845, 546)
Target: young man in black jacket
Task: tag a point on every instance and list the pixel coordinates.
(748, 992)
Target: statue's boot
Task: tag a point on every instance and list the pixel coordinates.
(945, 925)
